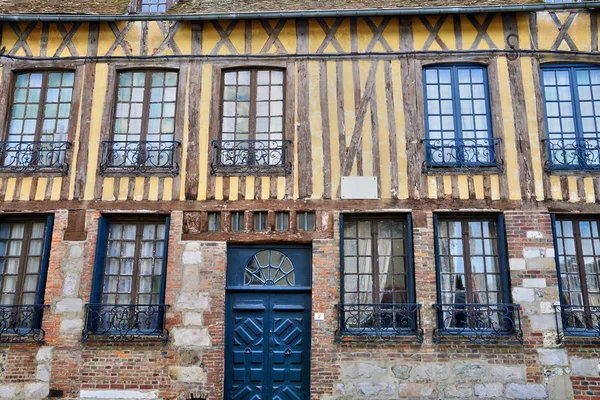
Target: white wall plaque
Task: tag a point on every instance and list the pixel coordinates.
(359, 187)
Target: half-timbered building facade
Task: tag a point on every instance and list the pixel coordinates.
(299, 200)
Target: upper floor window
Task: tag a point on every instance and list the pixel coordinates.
(143, 137)
(457, 118)
(24, 255)
(252, 123)
(151, 6)
(578, 265)
(473, 290)
(572, 105)
(128, 287)
(39, 122)
(377, 281)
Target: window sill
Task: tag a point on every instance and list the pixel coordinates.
(380, 336)
(128, 172)
(471, 170)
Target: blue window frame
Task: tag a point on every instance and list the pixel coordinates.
(472, 277)
(572, 105)
(377, 278)
(128, 287)
(457, 118)
(24, 255)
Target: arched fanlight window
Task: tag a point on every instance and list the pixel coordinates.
(269, 268)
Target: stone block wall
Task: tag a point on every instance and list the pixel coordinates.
(192, 362)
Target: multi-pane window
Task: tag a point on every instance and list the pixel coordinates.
(472, 272)
(578, 255)
(306, 220)
(129, 277)
(457, 117)
(24, 246)
(252, 124)
(144, 123)
(39, 118)
(572, 104)
(155, 6)
(376, 272)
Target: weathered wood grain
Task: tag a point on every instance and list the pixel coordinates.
(391, 127)
(326, 137)
(304, 150)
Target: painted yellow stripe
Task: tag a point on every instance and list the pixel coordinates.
(265, 187)
(25, 188)
(123, 188)
(367, 149)
(590, 193)
(138, 189)
(333, 128)
(555, 187)
(10, 189)
(219, 188)
(280, 187)
(204, 125)
(95, 128)
(316, 129)
(40, 192)
(463, 187)
(250, 187)
(432, 184)
(478, 183)
(512, 168)
(153, 189)
(447, 185)
(168, 189)
(56, 184)
(234, 184)
(495, 187)
(108, 189)
(400, 130)
(573, 195)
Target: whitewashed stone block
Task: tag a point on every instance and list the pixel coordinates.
(118, 394)
(543, 322)
(71, 325)
(9, 391)
(44, 354)
(519, 391)
(362, 370)
(69, 305)
(377, 389)
(523, 295)
(532, 252)
(535, 235)
(516, 264)
(188, 374)
(192, 257)
(75, 251)
(534, 282)
(38, 390)
(584, 366)
(192, 301)
(191, 337)
(193, 318)
(488, 390)
(70, 284)
(553, 356)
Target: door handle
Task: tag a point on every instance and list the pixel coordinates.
(271, 340)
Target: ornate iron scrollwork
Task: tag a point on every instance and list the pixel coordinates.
(379, 322)
(125, 323)
(573, 320)
(478, 323)
(21, 323)
(463, 154)
(573, 154)
(269, 268)
(27, 157)
(137, 158)
(251, 156)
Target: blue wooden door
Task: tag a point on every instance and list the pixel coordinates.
(267, 334)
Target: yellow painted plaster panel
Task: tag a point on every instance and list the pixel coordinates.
(153, 189)
(512, 168)
(495, 187)
(555, 187)
(432, 185)
(287, 37)
(210, 37)
(463, 187)
(234, 183)
(204, 125)
(10, 189)
(56, 184)
(590, 194)
(390, 34)
(25, 188)
(317, 36)
(280, 187)
(573, 195)
(421, 34)
(579, 31)
(523, 26)
(108, 189)
(316, 129)
(138, 189)
(167, 189)
(265, 187)
(250, 188)
(219, 188)
(479, 190)
(123, 188)
(40, 191)
(447, 185)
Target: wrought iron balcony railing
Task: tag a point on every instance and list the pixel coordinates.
(572, 320)
(379, 322)
(251, 157)
(463, 154)
(573, 154)
(139, 158)
(22, 323)
(478, 323)
(125, 323)
(27, 157)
